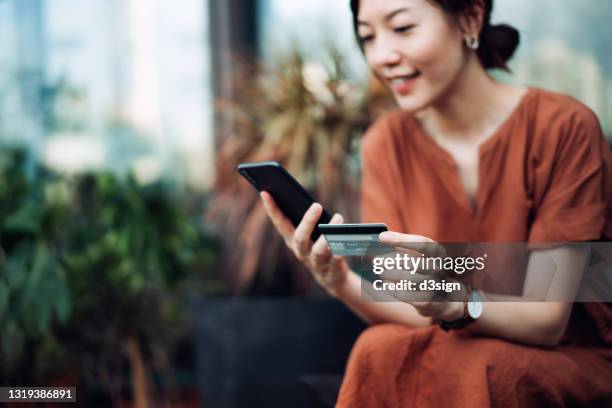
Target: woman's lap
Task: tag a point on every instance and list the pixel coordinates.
(393, 365)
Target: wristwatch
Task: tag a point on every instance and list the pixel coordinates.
(472, 310)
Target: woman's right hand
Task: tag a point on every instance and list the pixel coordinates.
(329, 270)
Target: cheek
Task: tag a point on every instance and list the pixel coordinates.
(439, 62)
(437, 57)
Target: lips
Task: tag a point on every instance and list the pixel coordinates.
(402, 84)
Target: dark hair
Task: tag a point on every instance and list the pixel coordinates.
(497, 42)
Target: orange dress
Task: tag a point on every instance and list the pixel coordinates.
(544, 176)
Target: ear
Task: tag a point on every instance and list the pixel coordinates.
(472, 19)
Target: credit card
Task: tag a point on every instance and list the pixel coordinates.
(355, 239)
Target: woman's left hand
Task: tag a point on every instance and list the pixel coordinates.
(428, 305)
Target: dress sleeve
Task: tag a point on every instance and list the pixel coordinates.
(379, 199)
(573, 180)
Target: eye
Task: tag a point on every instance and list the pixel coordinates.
(364, 39)
(404, 28)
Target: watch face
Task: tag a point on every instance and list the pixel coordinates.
(475, 305)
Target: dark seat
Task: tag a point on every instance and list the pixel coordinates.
(273, 352)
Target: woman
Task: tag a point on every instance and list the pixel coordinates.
(468, 158)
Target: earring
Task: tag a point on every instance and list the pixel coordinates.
(472, 41)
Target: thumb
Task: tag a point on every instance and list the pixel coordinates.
(337, 219)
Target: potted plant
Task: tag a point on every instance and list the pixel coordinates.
(110, 262)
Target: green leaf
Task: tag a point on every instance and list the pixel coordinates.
(63, 306)
(4, 300)
(12, 340)
(26, 219)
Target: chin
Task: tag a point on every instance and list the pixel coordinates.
(412, 103)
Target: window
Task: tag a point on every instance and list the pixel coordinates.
(109, 84)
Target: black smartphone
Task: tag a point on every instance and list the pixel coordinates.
(290, 197)
(369, 231)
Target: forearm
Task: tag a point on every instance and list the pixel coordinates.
(377, 311)
(532, 323)
(538, 323)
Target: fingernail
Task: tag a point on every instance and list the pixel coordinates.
(384, 236)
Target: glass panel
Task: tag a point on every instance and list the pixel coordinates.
(565, 47)
(310, 26)
(117, 84)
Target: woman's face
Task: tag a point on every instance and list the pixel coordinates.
(414, 47)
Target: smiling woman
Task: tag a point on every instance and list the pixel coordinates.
(470, 159)
(417, 51)
(495, 44)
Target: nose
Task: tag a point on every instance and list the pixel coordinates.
(382, 54)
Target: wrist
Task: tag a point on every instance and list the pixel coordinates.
(457, 310)
(472, 310)
(454, 311)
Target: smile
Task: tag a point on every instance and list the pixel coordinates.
(402, 84)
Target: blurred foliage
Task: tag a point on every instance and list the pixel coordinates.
(85, 263)
(308, 116)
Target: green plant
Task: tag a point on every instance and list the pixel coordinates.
(33, 293)
(94, 266)
(130, 248)
(309, 117)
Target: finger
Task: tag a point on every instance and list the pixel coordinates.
(369, 292)
(409, 262)
(320, 252)
(411, 296)
(399, 275)
(301, 236)
(320, 249)
(382, 292)
(418, 243)
(338, 259)
(337, 219)
(398, 265)
(429, 309)
(394, 274)
(282, 223)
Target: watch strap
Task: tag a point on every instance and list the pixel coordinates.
(463, 321)
(456, 324)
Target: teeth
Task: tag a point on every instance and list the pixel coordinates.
(401, 80)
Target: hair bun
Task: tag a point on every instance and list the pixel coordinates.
(498, 43)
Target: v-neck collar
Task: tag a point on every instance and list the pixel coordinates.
(484, 145)
(456, 186)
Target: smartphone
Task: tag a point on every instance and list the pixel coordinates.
(355, 239)
(290, 197)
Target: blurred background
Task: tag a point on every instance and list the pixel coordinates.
(134, 263)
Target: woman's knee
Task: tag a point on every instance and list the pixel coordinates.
(378, 336)
(378, 341)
